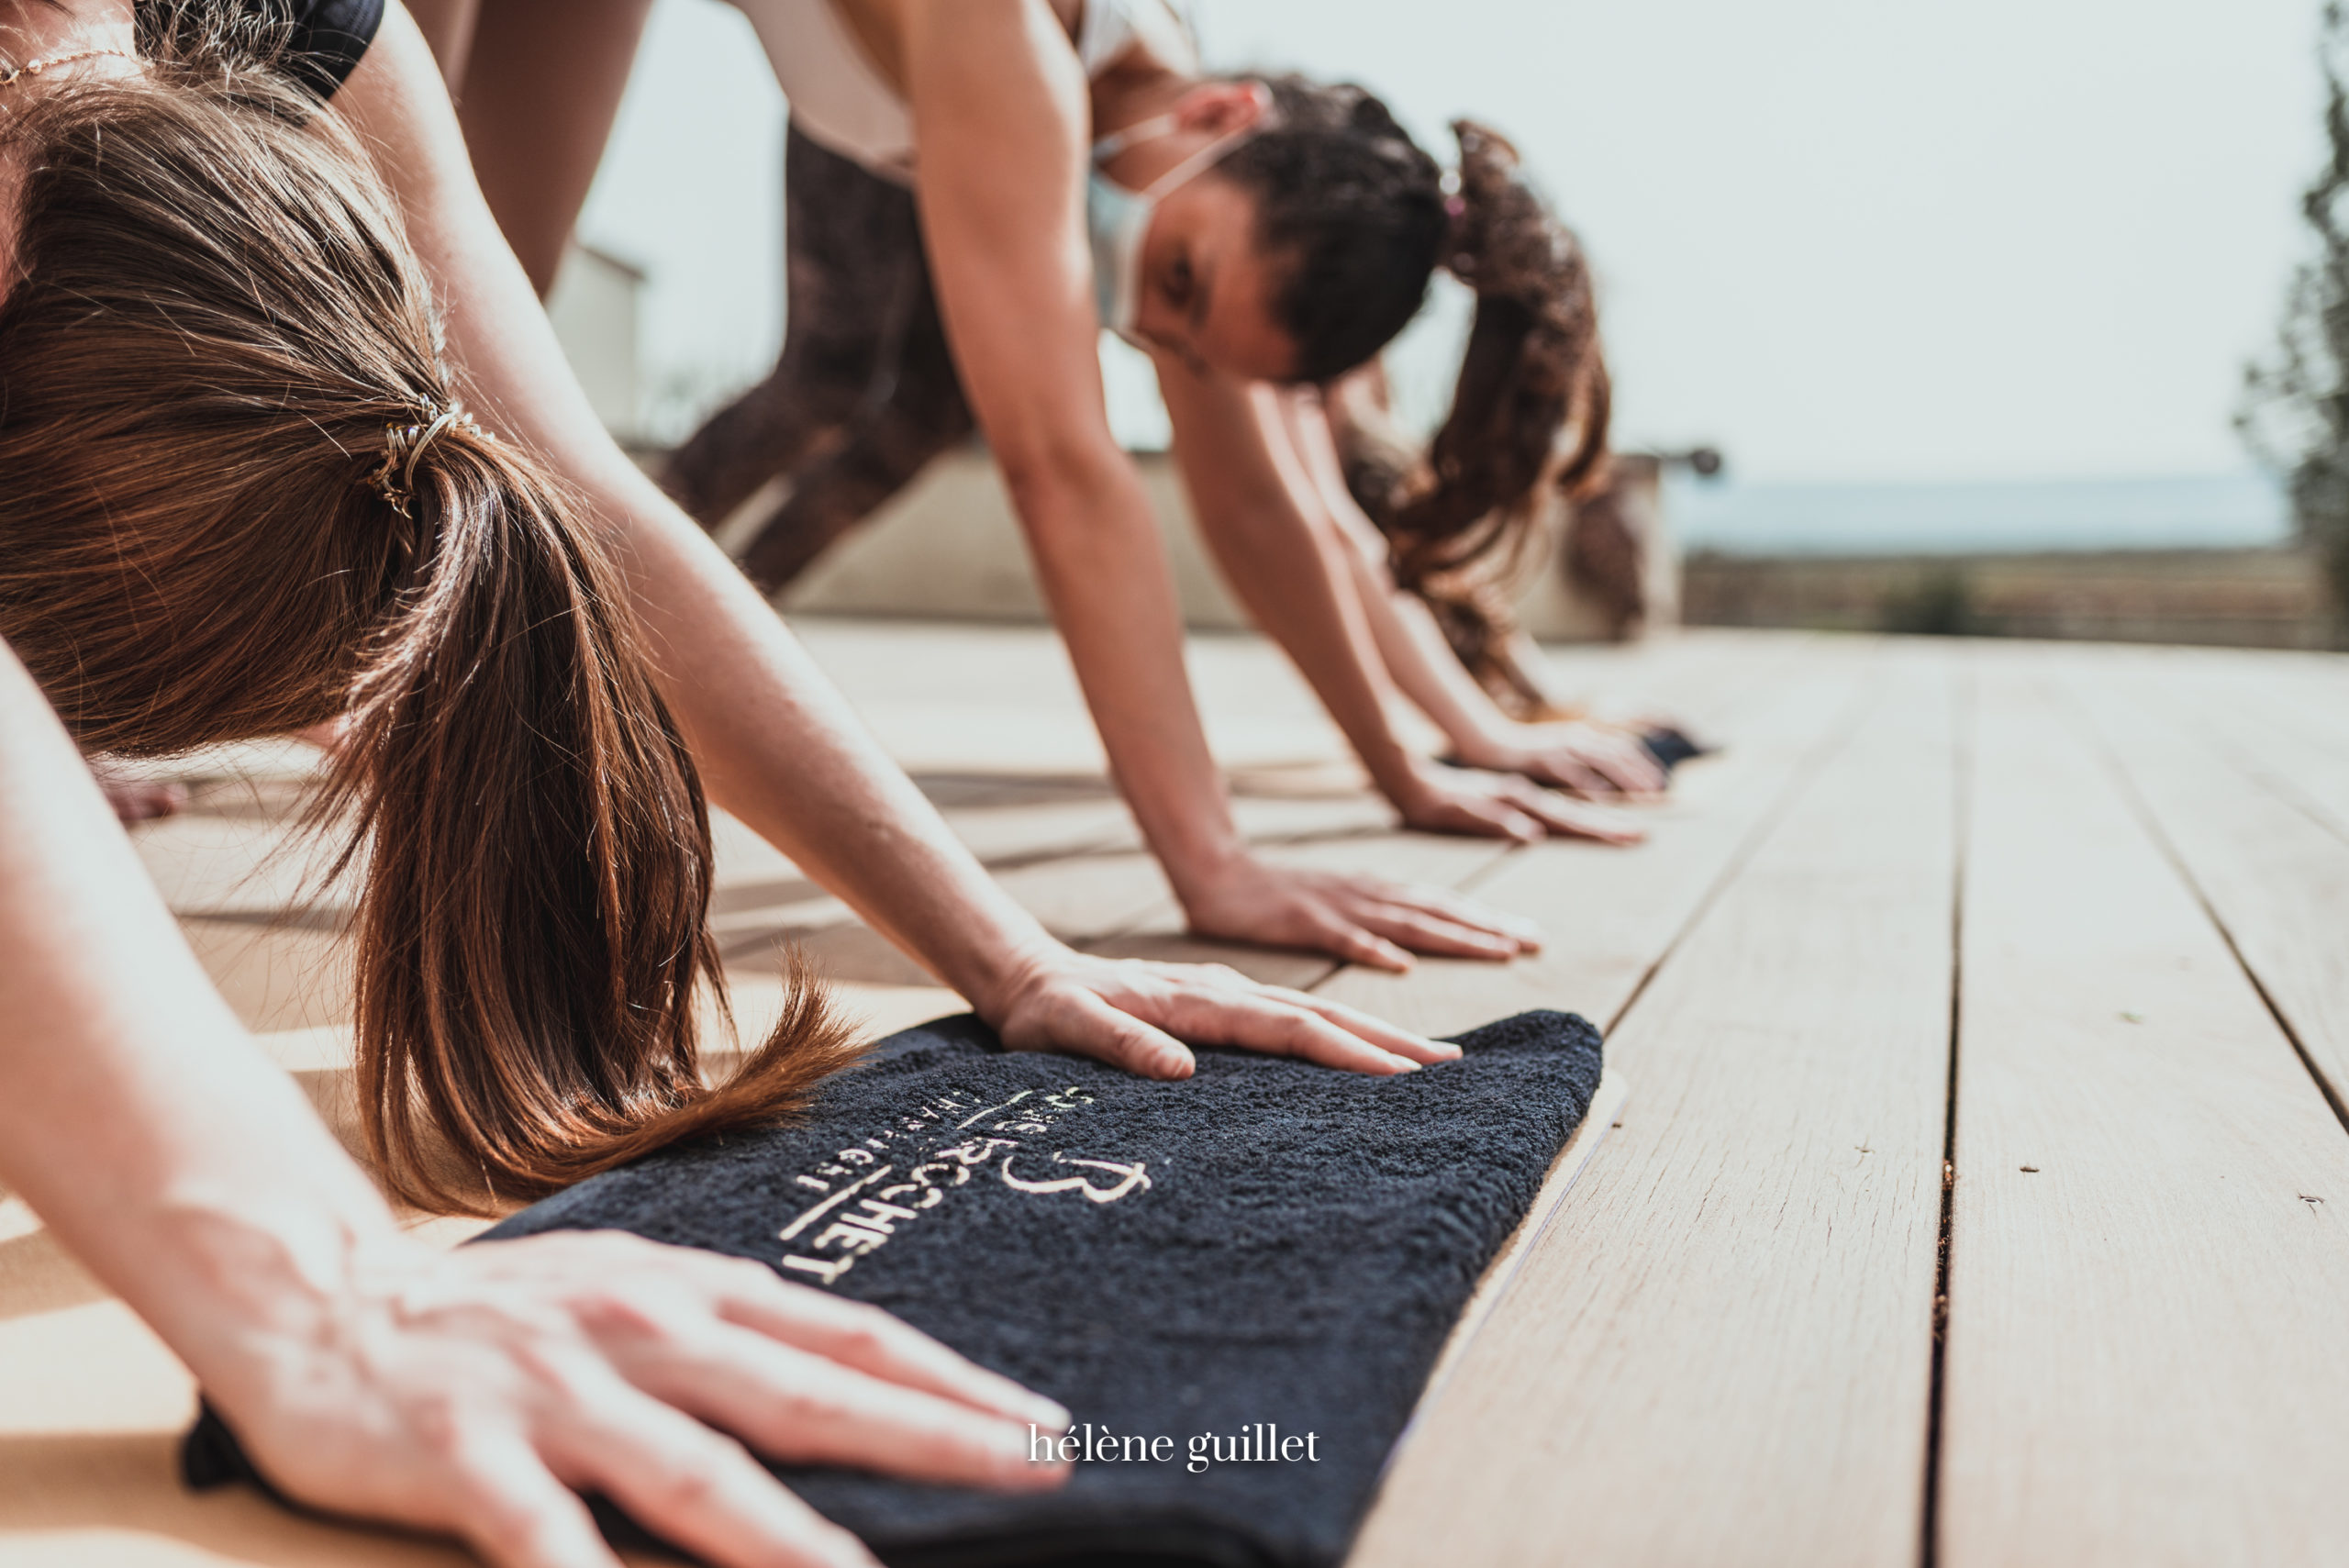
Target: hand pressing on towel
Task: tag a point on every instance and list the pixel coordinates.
(365, 1371)
(478, 1391)
(1129, 1012)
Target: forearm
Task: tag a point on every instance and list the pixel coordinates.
(137, 1117)
(1294, 583)
(779, 747)
(1413, 647)
(1103, 569)
(1410, 644)
(1000, 114)
(1265, 523)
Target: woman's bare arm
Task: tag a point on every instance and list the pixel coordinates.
(778, 746)
(366, 1373)
(1285, 555)
(1596, 759)
(1000, 115)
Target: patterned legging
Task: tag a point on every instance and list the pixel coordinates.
(865, 392)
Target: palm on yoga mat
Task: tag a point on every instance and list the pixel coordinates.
(1238, 1284)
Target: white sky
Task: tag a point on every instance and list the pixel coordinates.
(1847, 239)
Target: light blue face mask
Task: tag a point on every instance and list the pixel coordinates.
(1117, 220)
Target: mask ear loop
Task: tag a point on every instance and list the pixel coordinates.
(1117, 141)
(1206, 158)
(1156, 126)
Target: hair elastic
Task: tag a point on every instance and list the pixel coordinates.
(404, 444)
(9, 77)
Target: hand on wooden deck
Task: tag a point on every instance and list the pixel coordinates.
(1593, 760)
(473, 1391)
(1138, 1013)
(1363, 919)
(1445, 800)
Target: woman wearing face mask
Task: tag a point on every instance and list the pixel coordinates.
(983, 185)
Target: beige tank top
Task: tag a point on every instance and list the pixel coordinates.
(842, 102)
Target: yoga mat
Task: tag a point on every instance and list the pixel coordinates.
(1238, 1284)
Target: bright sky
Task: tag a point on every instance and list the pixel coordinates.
(1846, 239)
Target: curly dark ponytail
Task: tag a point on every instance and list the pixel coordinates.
(1354, 212)
(1458, 517)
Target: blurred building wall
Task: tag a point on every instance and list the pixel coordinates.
(950, 547)
(594, 307)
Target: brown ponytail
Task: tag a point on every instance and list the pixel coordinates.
(1460, 518)
(213, 317)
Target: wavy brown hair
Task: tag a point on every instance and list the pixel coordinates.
(211, 317)
(1530, 412)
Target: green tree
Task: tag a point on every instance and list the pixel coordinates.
(2295, 410)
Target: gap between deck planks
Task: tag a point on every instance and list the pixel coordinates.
(2272, 872)
(2146, 1361)
(1720, 1350)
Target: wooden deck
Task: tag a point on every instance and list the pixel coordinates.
(1981, 1195)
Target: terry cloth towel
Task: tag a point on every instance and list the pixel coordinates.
(1237, 1282)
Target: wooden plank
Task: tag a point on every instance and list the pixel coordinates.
(241, 866)
(1720, 1352)
(2280, 726)
(2145, 1361)
(276, 974)
(1606, 1108)
(2274, 878)
(1609, 914)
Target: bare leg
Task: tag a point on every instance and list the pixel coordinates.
(540, 86)
(857, 283)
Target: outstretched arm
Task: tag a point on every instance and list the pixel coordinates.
(367, 1373)
(1593, 758)
(1000, 114)
(777, 746)
(1285, 553)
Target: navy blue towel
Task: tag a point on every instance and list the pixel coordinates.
(1238, 1284)
(1671, 746)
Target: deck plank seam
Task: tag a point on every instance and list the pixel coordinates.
(1962, 803)
(2256, 763)
(2151, 822)
(1838, 735)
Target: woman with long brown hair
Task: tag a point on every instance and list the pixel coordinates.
(257, 471)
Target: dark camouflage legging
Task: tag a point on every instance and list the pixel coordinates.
(865, 394)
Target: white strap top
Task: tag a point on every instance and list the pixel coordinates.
(840, 101)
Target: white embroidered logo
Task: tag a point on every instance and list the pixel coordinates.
(857, 1218)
